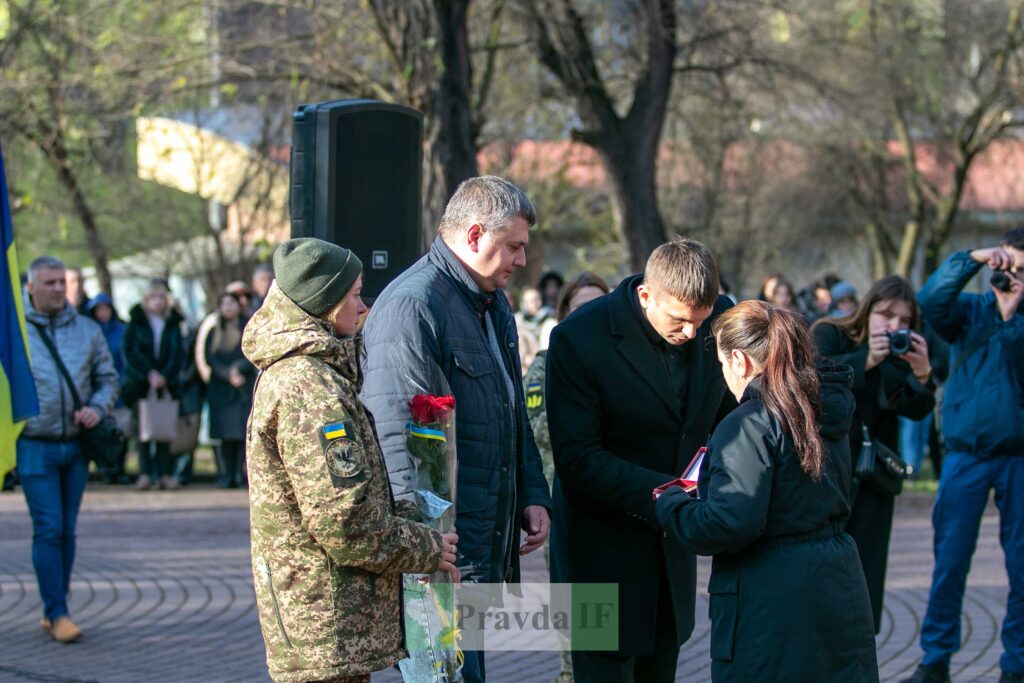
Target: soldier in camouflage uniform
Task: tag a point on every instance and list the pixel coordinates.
(584, 288)
(328, 548)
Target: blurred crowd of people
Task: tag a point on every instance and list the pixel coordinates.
(159, 356)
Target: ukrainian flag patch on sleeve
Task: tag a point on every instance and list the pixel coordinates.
(335, 431)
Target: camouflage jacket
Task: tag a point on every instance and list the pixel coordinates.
(328, 549)
(536, 410)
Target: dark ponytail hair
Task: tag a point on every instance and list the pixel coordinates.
(778, 341)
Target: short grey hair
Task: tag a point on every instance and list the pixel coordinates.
(44, 263)
(490, 201)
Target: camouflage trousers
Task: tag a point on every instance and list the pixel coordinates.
(347, 679)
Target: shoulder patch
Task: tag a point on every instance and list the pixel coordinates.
(344, 459)
(337, 430)
(343, 452)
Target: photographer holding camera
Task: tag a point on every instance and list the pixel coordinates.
(891, 379)
(984, 430)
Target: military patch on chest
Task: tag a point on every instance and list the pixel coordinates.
(344, 459)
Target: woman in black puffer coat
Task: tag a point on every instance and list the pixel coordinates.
(788, 600)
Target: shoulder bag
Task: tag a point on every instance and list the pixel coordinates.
(879, 468)
(103, 443)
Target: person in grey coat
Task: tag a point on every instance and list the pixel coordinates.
(788, 598)
(229, 393)
(51, 466)
(443, 326)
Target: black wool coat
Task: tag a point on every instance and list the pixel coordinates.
(229, 405)
(883, 394)
(140, 356)
(618, 430)
(788, 599)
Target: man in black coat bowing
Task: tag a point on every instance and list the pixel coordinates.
(634, 389)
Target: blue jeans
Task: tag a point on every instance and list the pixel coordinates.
(53, 476)
(959, 506)
(914, 440)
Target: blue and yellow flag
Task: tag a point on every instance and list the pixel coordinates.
(335, 431)
(18, 400)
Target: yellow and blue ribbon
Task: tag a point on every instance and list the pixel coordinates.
(427, 433)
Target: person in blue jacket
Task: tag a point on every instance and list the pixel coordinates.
(984, 430)
(101, 309)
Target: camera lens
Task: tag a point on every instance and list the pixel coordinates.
(899, 342)
(1001, 281)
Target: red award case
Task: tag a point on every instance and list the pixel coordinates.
(687, 482)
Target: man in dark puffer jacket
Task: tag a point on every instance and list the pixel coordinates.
(441, 327)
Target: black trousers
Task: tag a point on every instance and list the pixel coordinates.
(870, 525)
(155, 459)
(230, 463)
(657, 667)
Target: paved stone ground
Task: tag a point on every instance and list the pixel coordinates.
(162, 588)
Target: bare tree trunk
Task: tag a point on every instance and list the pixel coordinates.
(69, 179)
(434, 192)
(946, 213)
(908, 247)
(881, 263)
(632, 174)
(439, 82)
(628, 146)
(453, 100)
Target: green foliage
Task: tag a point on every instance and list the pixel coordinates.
(134, 215)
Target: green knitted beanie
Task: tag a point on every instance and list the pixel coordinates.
(315, 274)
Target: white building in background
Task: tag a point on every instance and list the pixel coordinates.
(183, 264)
(211, 154)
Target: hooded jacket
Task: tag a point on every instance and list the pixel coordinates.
(84, 351)
(113, 329)
(788, 598)
(328, 549)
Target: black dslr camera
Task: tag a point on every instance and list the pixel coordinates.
(899, 342)
(1002, 280)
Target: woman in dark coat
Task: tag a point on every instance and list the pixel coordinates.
(788, 600)
(886, 388)
(229, 393)
(154, 351)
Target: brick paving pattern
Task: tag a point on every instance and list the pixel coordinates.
(162, 588)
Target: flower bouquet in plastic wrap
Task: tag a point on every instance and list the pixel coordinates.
(430, 625)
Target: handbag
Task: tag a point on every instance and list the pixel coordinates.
(186, 439)
(879, 468)
(158, 418)
(104, 443)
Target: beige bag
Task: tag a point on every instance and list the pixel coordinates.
(158, 418)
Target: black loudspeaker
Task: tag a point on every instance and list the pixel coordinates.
(356, 170)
